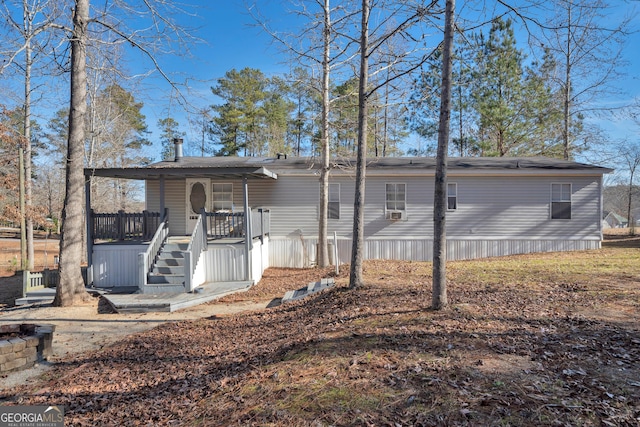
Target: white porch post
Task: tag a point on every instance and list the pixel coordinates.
(248, 241)
(89, 233)
(161, 196)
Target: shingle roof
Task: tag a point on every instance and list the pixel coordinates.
(378, 162)
(262, 167)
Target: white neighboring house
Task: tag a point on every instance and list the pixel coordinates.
(613, 220)
(497, 206)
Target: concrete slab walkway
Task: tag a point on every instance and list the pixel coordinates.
(142, 303)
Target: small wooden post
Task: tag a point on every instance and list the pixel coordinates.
(142, 271)
(25, 282)
(203, 213)
(261, 225)
(120, 225)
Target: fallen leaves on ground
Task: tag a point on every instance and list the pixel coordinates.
(523, 342)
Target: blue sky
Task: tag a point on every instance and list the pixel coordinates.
(230, 40)
(233, 41)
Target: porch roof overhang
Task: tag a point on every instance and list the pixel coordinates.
(154, 172)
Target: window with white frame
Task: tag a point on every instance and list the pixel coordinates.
(560, 201)
(452, 196)
(334, 201)
(223, 197)
(396, 197)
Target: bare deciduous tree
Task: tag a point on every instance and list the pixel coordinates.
(328, 53)
(588, 49)
(27, 41)
(393, 19)
(71, 289)
(439, 292)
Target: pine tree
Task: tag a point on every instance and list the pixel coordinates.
(169, 131)
(499, 91)
(237, 120)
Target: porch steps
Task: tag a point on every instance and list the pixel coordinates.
(167, 276)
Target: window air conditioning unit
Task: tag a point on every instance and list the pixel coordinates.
(395, 215)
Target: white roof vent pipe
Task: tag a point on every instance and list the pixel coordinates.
(178, 148)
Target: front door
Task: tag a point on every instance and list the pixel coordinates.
(198, 192)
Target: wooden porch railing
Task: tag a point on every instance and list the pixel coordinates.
(220, 225)
(123, 226)
(261, 222)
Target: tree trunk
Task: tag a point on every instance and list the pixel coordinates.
(27, 136)
(439, 291)
(355, 274)
(461, 142)
(567, 90)
(71, 288)
(630, 220)
(323, 247)
(23, 224)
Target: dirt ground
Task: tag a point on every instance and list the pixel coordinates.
(93, 326)
(45, 249)
(83, 328)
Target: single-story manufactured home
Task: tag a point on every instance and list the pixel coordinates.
(225, 219)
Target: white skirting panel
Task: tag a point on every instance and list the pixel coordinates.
(199, 275)
(225, 263)
(294, 253)
(259, 259)
(116, 265)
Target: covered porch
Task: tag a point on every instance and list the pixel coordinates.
(177, 248)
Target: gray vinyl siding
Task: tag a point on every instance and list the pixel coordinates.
(495, 216)
(293, 202)
(116, 265)
(519, 207)
(493, 207)
(488, 207)
(152, 196)
(175, 202)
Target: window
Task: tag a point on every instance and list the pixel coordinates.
(223, 197)
(197, 198)
(396, 197)
(560, 201)
(452, 196)
(334, 201)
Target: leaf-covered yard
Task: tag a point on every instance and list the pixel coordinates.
(550, 339)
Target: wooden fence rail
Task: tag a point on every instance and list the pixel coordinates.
(48, 278)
